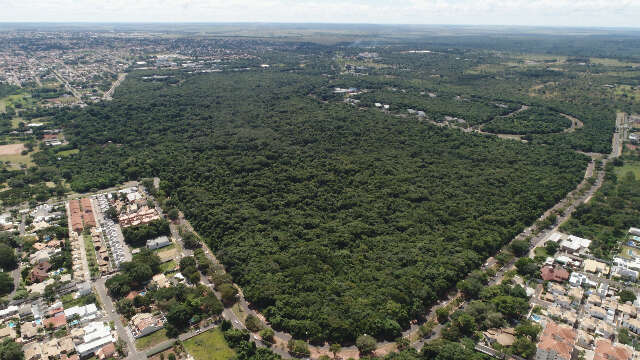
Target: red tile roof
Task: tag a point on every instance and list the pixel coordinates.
(559, 338)
(606, 351)
(57, 321)
(558, 274)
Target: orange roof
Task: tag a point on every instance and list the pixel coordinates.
(606, 351)
(559, 338)
(57, 321)
(554, 274)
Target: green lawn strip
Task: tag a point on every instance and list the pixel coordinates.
(152, 339)
(209, 345)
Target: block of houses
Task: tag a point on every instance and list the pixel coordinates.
(568, 316)
(605, 350)
(627, 310)
(578, 279)
(33, 351)
(29, 330)
(556, 342)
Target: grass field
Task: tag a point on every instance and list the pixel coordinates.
(629, 166)
(170, 265)
(152, 339)
(209, 345)
(66, 153)
(91, 255)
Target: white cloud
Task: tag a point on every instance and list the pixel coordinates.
(505, 12)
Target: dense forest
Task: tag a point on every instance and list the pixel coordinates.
(335, 221)
(530, 121)
(612, 211)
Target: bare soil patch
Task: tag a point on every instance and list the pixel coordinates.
(11, 149)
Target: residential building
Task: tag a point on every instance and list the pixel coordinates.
(158, 243)
(144, 324)
(9, 311)
(557, 289)
(96, 335)
(594, 299)
(605, 350)
(84, 313)
(568, 316)
(7, 333)
(33, 351)
(574, 244)
(598, 312)
(595, 267)
(556, 342)
(39, 272)
(106, 351)
(557, 274)
(576, 294)
(584, 340)
(578, 279)
(632, 324)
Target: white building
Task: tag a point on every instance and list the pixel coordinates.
(574, 244)
(158, 243)
(96, 335)
(85, 313)
(578, 279)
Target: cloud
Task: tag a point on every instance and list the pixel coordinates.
(500, 12)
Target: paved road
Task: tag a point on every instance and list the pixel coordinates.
(123, 333)
(109, 94)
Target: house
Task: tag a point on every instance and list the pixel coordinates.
(634, 231)
(66, 345)
(556, 342)
(56, 322)
(605, 350)
(598, 312)
(576, 294)
(96, 335)
(106, 351)
(574, 244)
(627, 310)
(594, 299)
(7, 333)
(29, 330)
(595, 267)
(9, 311)
(632, 324)
(604, 330)
(158, 243)
(84, 313)
(557, 274)
(621, 272)
(584, 340)
(39, 273)
(555, 237)
(32, 351)
(563, 301)
(50, 349)
(84, 288)
(578, 279)
(557, 289)
(144, 324)
(161, 280)
(566, 316)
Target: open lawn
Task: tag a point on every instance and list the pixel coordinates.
(66, 153)
(209, 345)
(168, 266)
(152, 339)
(629, 166)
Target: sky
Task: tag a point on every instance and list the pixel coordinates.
(582, 13)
